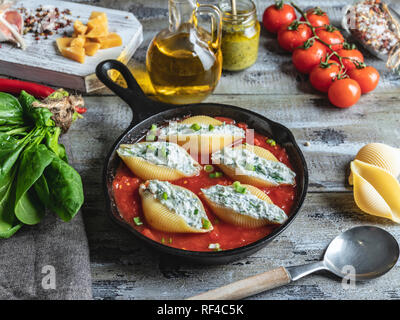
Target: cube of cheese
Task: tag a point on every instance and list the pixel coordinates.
(91, 48)
(74, 53)
(79, 28)
(63, 43)
(78, 42)
(109, 41)
(97, 27)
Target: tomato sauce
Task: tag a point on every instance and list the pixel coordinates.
(126, 194)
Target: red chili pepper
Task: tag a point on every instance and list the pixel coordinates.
(16, 86)
(80, 110)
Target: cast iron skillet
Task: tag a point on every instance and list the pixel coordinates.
(146, 112)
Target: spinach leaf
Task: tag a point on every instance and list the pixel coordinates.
(65, 187)
(51, 140)
(42, 190)
(8, 221)
(10, 148)
(10, 110)
(34, 160)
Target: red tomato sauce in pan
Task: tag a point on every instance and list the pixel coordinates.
(126, 194)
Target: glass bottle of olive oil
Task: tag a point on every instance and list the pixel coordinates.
(184, 62)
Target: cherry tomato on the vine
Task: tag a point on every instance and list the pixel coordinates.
(323, 74)
(305, 58)
(278, 15)
(350, 56)
(367, 77)
(332, 36)
(344, 93)
(316, 17)
(293, 35)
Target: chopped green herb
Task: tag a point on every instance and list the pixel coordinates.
(195, 127)
(162, 240)
(206, 224)
(150, 137)
(137, 221)
(163, 152)
(170, 240)
(210, 127)
(150, 147)
(165, 196)
(208, 168)
(250, 167)
(216, 175)
(214, 246)
(238, 187)
(196, 211)
(153, 127)
(271, 142)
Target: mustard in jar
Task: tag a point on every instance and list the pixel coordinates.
(240, 35)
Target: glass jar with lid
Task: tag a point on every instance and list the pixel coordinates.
(240, 34)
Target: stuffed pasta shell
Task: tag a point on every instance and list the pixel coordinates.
(253, 165)
(243, 205)
(201, 134)
(172, 208)
(158, 160)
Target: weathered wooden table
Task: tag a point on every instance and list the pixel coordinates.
(122, 268)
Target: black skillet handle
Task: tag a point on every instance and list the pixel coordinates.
(142, 107)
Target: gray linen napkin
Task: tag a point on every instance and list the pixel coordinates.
(46, 261)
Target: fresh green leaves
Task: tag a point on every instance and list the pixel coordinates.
(34, 172)
(65, 188)
(10, 110)
(28, 208)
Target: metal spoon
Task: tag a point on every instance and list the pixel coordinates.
(367, 251)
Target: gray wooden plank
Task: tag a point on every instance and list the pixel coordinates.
(122, 268)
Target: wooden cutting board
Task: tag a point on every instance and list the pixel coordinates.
(42, 62)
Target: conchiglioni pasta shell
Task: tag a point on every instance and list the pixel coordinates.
(204, 144)
(376, 191)
(232, 217)
(380, 155)
(149, 171)
(161, 218)
(262, 153)
(202, 120)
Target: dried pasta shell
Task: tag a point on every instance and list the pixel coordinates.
(232, 217)
(149, 171)
(202, 120)
(376, 191)
(262, 153)
(161, 218)
(380, 155)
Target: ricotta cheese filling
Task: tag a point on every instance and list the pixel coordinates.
(163, 154)
(248, 163)
(180, 201)
(244, 203)
(176, 128)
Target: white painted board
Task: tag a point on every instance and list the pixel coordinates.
(42, 62)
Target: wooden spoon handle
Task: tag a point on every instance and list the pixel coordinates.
(247, 287)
